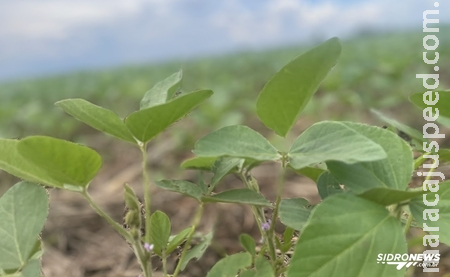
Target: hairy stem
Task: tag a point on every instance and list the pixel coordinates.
(147, 200)
(280, 188)
(141, 256)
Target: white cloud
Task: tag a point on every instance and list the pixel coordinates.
(56, 19)
(112, 31)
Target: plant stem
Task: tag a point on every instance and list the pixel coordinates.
(280, 187)
(116, 226)
(147, 202)
(147, 198)
(164, 262)
(408, 224)
(136, 244)
(140, 254)
(195, 223)
(419, 161)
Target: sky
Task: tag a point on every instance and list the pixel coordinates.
(57, 36)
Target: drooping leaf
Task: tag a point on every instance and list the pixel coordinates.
(163, 91)
(97, 117)
(442, 104)
(23, 211)
(343, 231)
(294, 212)
(241, 196)
(236, 141)
(147, 123)
(439, 214)
(393, 172)
(181, 186)
(310, 172)
(199, 163)
(66, 162)
(329, 141)
(230, 265)
(160, 230)
(197, 251)
(14, 163)
(177, 240)
(221, 168)
(248, 243)
(328, 185)
(387, 196)
(286, 94)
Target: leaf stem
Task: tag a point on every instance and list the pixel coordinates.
(420, 160)
(195, 223)
(116, 226)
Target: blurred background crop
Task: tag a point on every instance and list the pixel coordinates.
(112, 52)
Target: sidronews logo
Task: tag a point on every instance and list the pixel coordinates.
(407, 260)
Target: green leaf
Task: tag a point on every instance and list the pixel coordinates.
(387, 196)
(414, 134)
(286, 94)
(175, 241)
(294, 212)
(242, 196)
(181, 186)
(14, 163)
(163, 91)
(417, 207)
(32, 269)
(160, 230)
(328, 140)
(66, 162)
(262, 269)
(97, 117)
(344, 231)
(442, 104)
(221, 168)
(199, 163)
(236, 141)
(393, 172)
(147, 123)
(327, 185)
(248, 243)
(310, 172)
(230, 265)
(23, 211)
(197, 251)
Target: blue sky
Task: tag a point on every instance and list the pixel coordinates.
(55, 36)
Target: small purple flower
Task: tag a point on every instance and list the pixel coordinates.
(266, 225)
(148, 247)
